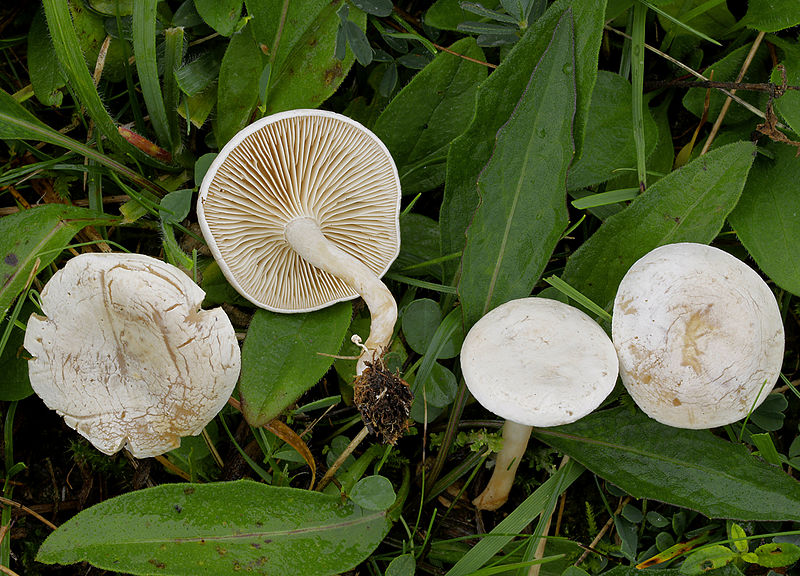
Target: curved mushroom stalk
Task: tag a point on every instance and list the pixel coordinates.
(515, 441)
(308, 241)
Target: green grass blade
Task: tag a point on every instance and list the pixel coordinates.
(16, 123)
(513, 524)
(144, 46)
(637, 78)
(68, 52)
(173, 56)
(674, 20)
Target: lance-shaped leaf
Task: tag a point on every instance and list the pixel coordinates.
(523, 210)
(419, 123)
(37, 234)
(765, 219)
(497, 98)
(688, 205)
(219, 528)
(283, 357)
(689, 468)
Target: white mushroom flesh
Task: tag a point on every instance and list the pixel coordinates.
(127, 356)
(699, 336)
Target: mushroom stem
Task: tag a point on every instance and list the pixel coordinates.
(306, 238)
(515, 440)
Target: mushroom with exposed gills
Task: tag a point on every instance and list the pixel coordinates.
(127, 355)
(301, 210)
(534, 362)
(699, 336)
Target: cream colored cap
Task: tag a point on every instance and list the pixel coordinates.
(127, 356)
(290, 166)
(699, 336)
(538, 362)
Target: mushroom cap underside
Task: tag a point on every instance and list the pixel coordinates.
(699, 336)
(299, 164)
(126, 354)
(538, 362)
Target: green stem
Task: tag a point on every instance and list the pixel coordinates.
(637, 78)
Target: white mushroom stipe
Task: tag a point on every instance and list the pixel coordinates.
(308, 241)
(127, 356)
(699, 336)
(301, 210)
(534, 362)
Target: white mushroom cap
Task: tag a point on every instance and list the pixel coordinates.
(127, 355)
(538, 362)
(302, 165)
(699, 336)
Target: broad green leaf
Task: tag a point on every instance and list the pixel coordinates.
(304, 71)
(767, 217)
(419, 320)
(497, 97)
(777, 554)
(739, 537)
(707, 559)
(219, 528)
(237, 91)
(423, 118)
(113, 7)
(788, 105)
(37, 233)
(381, 8)
(281, 357)
(689, 468)
(726, 70)
(440, 387)
(609, 146)
(373, 493)
(772, 15)
(195, 75)
(523, 212)
(45, 73)
(687, 205)
(221, 15)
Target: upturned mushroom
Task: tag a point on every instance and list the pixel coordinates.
(301, 210)
(126, 354)
(534, 362)
(699, 336)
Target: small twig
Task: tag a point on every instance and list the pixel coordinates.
(341, 459)
(606, 527)
(7, 570)
(724, 110)
(27, 510)
(467, 58)
(542, 544)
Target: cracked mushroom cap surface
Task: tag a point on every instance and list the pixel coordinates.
(538, 362)
(289, 166)
(126, 354)
(699, 336)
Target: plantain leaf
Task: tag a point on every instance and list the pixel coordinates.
(237, 91)
(219, 528)
(522, 212)
(689, 468)
(221, 15)
(304, 71)
(46, 76)
(766, 220)
(496, 99)
(420, 122)
(37, 233)
(281, 357)
(688, 205)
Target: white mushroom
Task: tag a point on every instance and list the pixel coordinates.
(127, 356)
(699, 336)
(301, 210)
(535, 362)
